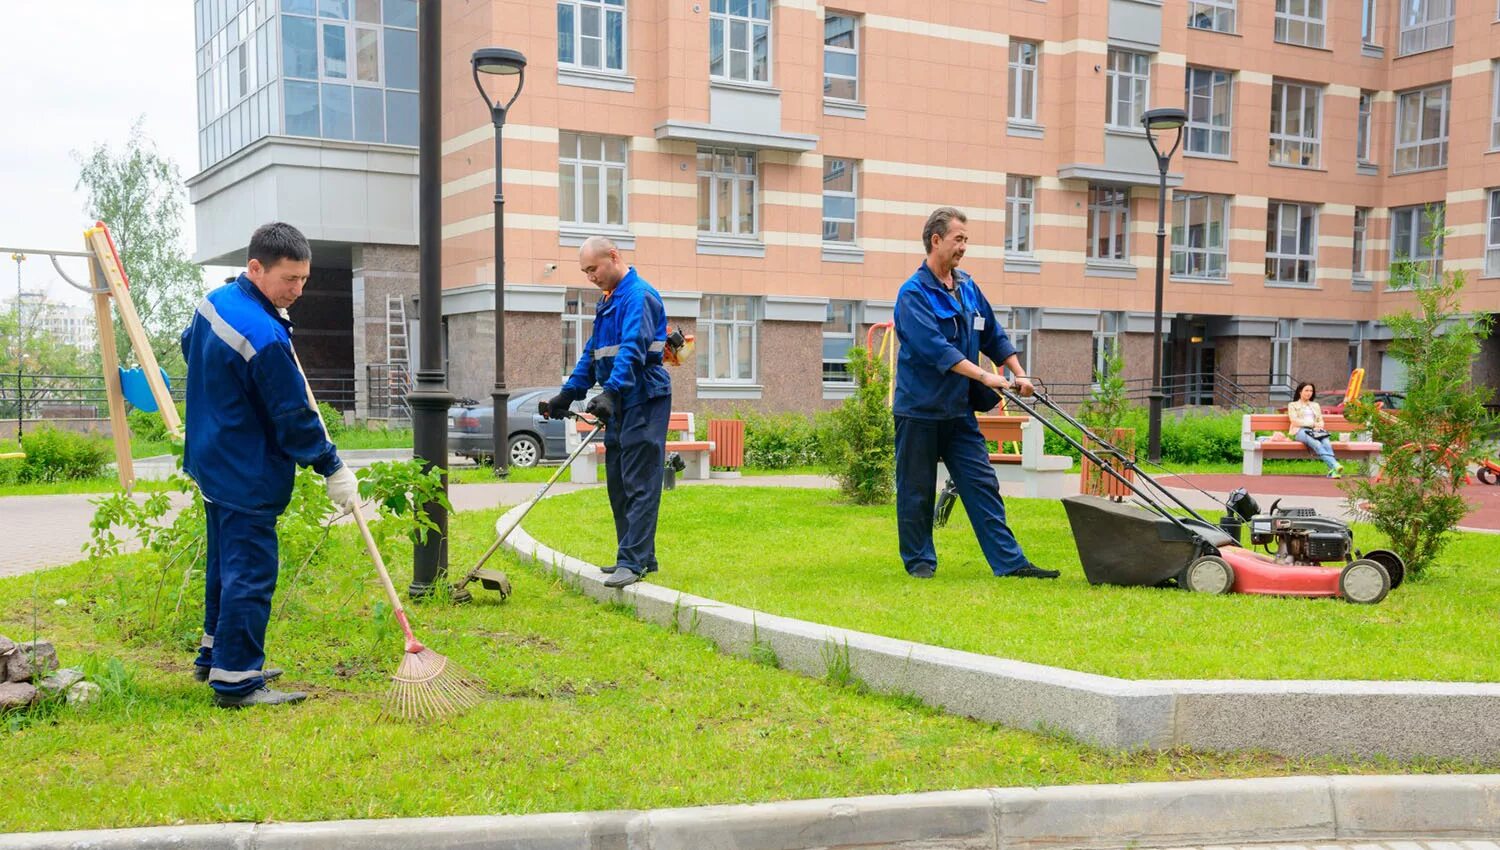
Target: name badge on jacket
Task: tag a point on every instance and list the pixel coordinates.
(978, 323)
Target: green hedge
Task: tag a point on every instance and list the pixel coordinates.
(775, 442)
(1193, 437)
(53, 455)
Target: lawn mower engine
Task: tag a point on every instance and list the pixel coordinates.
(1293, 535)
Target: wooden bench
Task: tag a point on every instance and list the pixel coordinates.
(694, 453)
(1043, 476)
(1348, 440)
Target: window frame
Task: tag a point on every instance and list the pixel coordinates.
(1283, 142)
(1369, 26)
(853, 196)
(1014, 204)
(719, 14)
(716, 177)
(606, 9)
(1285, 19)
(578, 163)
(1099, 209)
(1495, 107)
(1020, 90)
(1139, 87)
(1183, 224)
(579, 324)
(1360, 244)
(1022, 323)
(851, 309)
(1307, 254)
(843, 51)
(1281, 350)
(1208, 128)
(1422, 31)
(1106, 342)
(710, 326)
(1214, 9)
(1492, 235)
(1417, 213)
(1416, 147)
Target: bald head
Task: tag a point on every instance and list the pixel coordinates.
(600, 261)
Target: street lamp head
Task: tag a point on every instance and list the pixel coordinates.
(1165, 118)
(498, 62)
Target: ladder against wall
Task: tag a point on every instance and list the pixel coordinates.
(397, 357)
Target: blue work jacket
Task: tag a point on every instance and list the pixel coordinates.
(624, 354)
(249, 421)
(937, 331)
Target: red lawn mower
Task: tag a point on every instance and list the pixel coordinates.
(1150, 545)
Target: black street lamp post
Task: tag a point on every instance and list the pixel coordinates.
(1158, 120)
(504, 62)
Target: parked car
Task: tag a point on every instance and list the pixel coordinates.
(533, 439)
(1387, 399)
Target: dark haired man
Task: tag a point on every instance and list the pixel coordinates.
(250, 423)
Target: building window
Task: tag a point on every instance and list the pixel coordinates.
(1362, 131)
(591, 34)
(1281, 356)
(1300, 22)
(1417, 234)
(1021, 321)
(1106, 342)
(839, 328)
(1126, 88)
(1367, 21)
(1425, 25)
(1361, 240)
(591, 179)
(1216, 15)
(1422, 129)
(1023, 80)
(726, 192)
(840, 57)
(1296, 124)
(1209, 111)
(1291, 243)
(577, 325)
(1200, 235)
(1495, 111)
(840, 187)
(1109, 223)
(726, 349)
(739, 40)
(1356, 347)
(1492, 239)
(1020, 206)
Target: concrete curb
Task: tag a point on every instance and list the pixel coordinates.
(1088, 817)
(1401, 720)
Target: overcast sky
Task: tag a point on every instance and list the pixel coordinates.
(73, 74)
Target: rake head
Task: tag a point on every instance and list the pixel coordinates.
(427, 686)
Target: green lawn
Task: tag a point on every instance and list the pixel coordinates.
(593, 710)
(801, 553)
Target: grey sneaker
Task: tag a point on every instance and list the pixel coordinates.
(612, 567)
(201, 673)
(621, 578)
(260, 696)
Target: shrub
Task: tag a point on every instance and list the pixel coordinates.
(53, 455)
(332, 419)
(149, 427)
(861, 440)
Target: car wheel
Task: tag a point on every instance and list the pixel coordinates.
(1487, 475)
(1394, 566)
(1209, 574)
(525, 451)
(1364, 582)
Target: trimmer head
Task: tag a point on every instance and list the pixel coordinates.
(491, 579)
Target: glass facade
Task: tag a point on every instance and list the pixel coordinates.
(331, 69)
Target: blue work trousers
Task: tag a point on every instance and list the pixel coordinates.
(241, 576)
(920, 444)
(635, 453)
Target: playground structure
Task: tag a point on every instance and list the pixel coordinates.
(144, 386)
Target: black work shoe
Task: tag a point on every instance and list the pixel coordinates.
(621, 577)
(259, 696)
(1031, 571)
(922, 571)
(201, 673)
(612, 567)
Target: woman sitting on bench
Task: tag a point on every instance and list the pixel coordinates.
(1307, 426)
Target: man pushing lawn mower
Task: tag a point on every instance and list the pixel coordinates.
(625, 355)
(250, 423)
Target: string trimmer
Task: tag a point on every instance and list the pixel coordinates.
(496, 580)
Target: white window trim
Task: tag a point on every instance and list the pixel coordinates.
(1359, 266)
(1420, 97)
(1309, 20)
(853, 195)
(1492, 235)
(1106, 342)
(1365, 127)
(1019, 91)
(851, 336)
(1013, 205)
(1023, 338)
(1111, 212)
(1287, 139)
(1369, 26)
(575, 323)
(851, 51)
(1115, 78)
(1227, 130)
(711, 327)
(750, 22)
(1224, 210)
(1424, 29)
(578, 163)
(1495, 109)
(604, 10)
(1227, 5)
(1284, 208)
(1414, 252)
(1281, 343)
(734, 195)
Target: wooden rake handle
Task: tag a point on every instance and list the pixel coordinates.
(412, 644)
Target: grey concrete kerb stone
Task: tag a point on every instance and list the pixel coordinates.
(1085, 817)
(1300, 718)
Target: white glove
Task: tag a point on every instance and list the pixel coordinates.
(343, 488)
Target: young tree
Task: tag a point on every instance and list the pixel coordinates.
(139, 194)
(1106, 409)
(862, 441)
(1441, 427)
